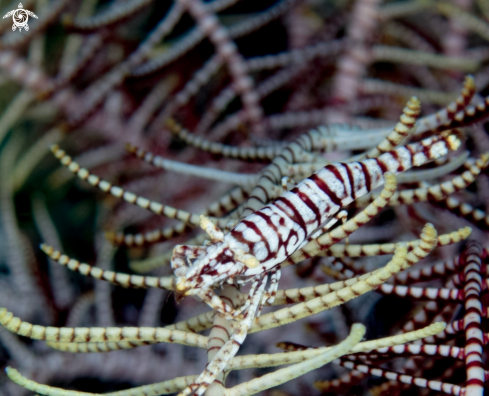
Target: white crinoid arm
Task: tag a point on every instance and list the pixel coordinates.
(31, 14)
(8, 14)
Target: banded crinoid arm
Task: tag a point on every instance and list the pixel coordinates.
(468, 116)
(439, 270)
(295, 355)
(97, 347)
(165, 259)
(471, 259)
(244, 153)
(382, 87)
(162, 260)
(286, 374)
(241, 179)
(465, 210)
(453, 330)
(401, 261)
(422, 293)
(117, 278)
(221, 207)
(147, 237)
(288, 296)
(341, 250)
(192, 325)
(402, 131)
(98, 334)
(322, 139)
(426, 350)
(341, 384)
(127, 196)
(435, 385)
(161, 388)
(332, 299)
(472, 271)
(446, 115)
(436, 192)
(198, 323)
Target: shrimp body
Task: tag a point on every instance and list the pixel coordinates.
(267, 237)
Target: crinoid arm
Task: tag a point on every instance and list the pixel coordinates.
(97, 334)
(120, 279)
(127, 196)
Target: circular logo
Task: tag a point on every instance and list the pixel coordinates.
(20, 17)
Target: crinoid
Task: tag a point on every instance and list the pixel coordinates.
(303, 221)
(291, 227)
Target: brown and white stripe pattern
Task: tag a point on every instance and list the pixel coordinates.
(444, 387)
(275, 232)
(437, 192)
(439, 270)
(423, 293)
(451, 112)
(465, 210)
(474, 337)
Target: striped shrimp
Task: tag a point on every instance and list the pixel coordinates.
(260, 242)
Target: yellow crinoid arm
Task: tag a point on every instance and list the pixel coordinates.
(278, 359)
(128, 196)
(401, 260)
(98, 334)
(342, 250)
(117, 278)
(286, 374)
(161, 388)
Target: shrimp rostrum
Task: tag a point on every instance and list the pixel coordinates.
(260, 242)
